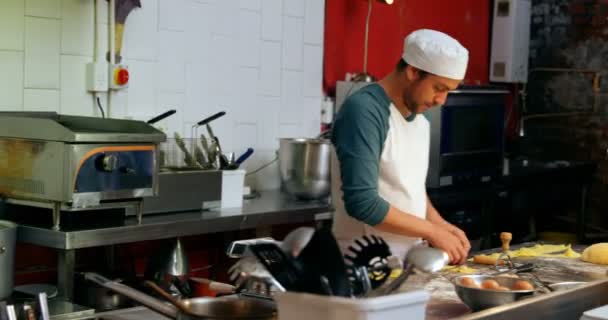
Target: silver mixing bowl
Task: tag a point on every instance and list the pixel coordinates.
(479, 299)
(305, 167)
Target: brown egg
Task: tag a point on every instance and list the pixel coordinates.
(468, 282)
(489, 284)
(501, 288)
(523, 285)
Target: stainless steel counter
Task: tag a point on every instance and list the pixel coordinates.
(445, 304)
(271, 208)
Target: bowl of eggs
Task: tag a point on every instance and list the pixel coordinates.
(480, 292)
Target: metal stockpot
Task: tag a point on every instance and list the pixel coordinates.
(305, 167)
(8, 237)
(223, 308)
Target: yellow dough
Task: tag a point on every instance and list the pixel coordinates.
(538, 250)
(459, 269)
(597, 253)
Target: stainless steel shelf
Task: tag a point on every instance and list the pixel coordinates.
(271, 208)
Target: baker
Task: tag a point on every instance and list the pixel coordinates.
(381, 151)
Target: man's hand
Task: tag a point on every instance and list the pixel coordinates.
(447, 240)
(460, 235)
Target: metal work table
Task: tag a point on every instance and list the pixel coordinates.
(271, 208)
(445, 304)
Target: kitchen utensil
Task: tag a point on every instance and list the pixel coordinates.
(421, 258)
(372, 253)
(188, 159)
(176, 302)
(170, 267)
(8, 237)
(211, 118)
(297, 240)
(283, 268)
(209, 151)
(305, 166)
(567, 285)
(478, 299)
(217, 287)
(504, 258)
(199, 308)
(161, 116)
(12, 315)
(34, 289)
(322, 258)
(250, 276)
(43, 305)
(526, 267)
(98, 297)
(244, 156)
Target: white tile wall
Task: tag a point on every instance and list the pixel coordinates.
(291, 97)
(142, 88)
(74, 97)
(313, 70)
(293, 41)
(198, 32)
(140, 37)
(258, 60)
(249, 38)
(270, 69)
(294, 8)
(42, 45)
(250, 4)
(314, 20)
(41, 99)
(11, 84)
(272, 20)
(12, 15)
(43, 8)
(171, 14)
(77, 27)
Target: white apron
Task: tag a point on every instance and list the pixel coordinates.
(402, 177)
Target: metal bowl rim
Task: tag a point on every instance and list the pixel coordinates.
(457, 283)
(303, 140)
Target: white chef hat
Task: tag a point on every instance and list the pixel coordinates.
(437, 53)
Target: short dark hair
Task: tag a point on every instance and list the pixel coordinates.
(402, 64)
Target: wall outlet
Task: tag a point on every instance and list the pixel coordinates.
(119, 76)
(97, 77)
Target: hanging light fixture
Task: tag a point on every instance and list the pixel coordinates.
(364, 76)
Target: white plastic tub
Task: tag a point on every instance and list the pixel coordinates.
(233, 183)
(303, 306)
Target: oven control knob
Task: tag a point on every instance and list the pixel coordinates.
(109, 162)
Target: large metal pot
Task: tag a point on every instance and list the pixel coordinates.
(305, 167)
(223, 308)
(8, 237)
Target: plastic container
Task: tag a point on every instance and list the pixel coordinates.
(233, 183)
(304, 306)
(600, 313)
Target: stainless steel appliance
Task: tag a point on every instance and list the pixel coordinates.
(305, 167)
(184, 190)
(72, 163)
(467, 136)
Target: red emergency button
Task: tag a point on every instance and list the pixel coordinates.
(122, 76)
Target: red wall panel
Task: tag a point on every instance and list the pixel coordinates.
(466, 20)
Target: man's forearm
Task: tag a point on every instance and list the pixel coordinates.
(432, 214)
(406, 224)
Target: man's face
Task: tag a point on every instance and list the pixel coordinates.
(427, 90)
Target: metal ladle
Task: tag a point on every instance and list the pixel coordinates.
(422, 258)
